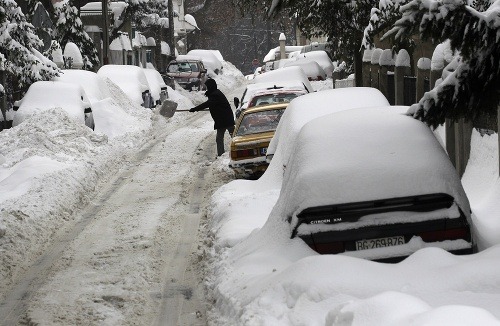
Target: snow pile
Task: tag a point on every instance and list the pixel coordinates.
(71, 51)
(403, 59)
(259, 276)
(51, 166)
(424, 63)
(387, 58)
(376, 54)
(441, 56)
(230, 79)
(367, 55)
(482, 184)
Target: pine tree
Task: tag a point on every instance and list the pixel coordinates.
(69, 28)
(472, 88)
(17, 45)
(144, 14)
(382, 18)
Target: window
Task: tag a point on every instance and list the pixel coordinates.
(257, 122)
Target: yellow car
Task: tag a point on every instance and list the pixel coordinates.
(254, 130)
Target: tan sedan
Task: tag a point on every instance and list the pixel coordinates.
(254, 130)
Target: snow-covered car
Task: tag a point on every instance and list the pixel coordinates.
(322, 58)
(252, 134)
(210, 60)
(374, 184)
(310, 106)
(287, 74)
(188, 71)
(45, 95)
(311, 68)
(94, 86)
(218, 55)
(272, 95)
(315, 46)
(159, 90)
(251, 89)
(131, 80)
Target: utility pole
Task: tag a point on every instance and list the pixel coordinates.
(171, 37)
(105, 33)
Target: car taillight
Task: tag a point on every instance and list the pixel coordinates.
(450, 234)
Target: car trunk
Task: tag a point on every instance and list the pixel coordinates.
(351, 236)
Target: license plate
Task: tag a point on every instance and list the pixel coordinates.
(379, 243)
(263, 151)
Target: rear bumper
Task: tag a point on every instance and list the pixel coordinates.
(248, 169)
(344, 241)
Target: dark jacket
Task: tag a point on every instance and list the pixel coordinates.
(219, 106)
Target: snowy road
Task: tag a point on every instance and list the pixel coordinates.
(131, 257)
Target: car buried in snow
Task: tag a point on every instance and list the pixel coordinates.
(374, 184)
(253, 131)
(45, 95)
(159, 91)
(131, 80)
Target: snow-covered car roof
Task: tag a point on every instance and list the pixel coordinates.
(311, 68)
(284, 74)
(155, 81)
(186, 57)
(218, 55)
(321, 57)
(272, 96)
(363, 155)
(310, 106)
(209, 59)
(94, 86)
(131, 79)
(252, 89)
(279, 91)
(45, 95)
(272, 54)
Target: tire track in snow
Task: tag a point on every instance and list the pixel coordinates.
(16, 306)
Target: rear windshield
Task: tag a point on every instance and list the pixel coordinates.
(272, 98)
(257, 122)
(183, 67)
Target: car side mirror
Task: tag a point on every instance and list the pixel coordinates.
(236, 102)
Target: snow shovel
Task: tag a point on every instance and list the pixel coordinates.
(168, 108)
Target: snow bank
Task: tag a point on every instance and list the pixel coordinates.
(266, 278)
(51, 165)
(482, 184)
